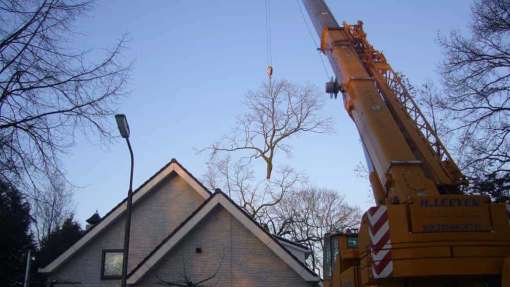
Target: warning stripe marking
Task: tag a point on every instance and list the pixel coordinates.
(380, 243)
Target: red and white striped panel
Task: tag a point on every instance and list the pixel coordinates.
(380, 249)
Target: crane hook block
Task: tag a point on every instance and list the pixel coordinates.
(333, 88)
(269, 71)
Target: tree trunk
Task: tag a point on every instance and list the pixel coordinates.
(269, 169)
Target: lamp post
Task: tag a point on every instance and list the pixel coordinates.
(123, 126)
(26, 283)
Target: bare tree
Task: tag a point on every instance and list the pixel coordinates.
(305, 215)
(361, 170)
(48, 90)
(477, 98)
(285, 205)
(428, 96)
(51, 206)
(277, 112)
(238, 180)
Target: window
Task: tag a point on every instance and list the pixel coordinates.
(335, 249)
(111, 267)
(330, 253)
(326, 257)
(352, 242)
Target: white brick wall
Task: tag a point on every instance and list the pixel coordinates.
(154, 217)
(242, 259)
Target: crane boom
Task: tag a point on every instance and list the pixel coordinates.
(320, 15)
(406, 142)
(423, 231)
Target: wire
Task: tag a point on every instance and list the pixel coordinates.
(310, 33)
(269, 52)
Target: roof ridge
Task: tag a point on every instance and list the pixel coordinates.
(140, 187)
(190, 174)
(173, 160)
(125, 198)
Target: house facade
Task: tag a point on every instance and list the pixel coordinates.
(181, 232)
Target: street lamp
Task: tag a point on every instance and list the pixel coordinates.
(26, 282)
(123, 126)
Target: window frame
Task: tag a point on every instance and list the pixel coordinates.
(103, 257)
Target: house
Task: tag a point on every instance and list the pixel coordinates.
(181, 231)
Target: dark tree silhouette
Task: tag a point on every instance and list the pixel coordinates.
(48, 90)
(495, 185)
(59, 241)
(16, 238)
(477, 99)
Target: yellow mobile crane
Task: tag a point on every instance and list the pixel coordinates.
(423, 230)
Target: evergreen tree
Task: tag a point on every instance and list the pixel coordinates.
(16, 238)
(59, 241)
(495, 185)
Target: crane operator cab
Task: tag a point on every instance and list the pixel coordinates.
(341, 259)
(344, 266)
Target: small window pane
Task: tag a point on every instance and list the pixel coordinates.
(112, 265)
(352, 242)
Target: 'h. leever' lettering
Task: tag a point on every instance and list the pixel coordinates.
(449, 202)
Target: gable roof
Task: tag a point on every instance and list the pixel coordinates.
(292, 244)
(220, 199)
(172, 167)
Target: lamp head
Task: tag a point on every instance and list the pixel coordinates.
(123, 125)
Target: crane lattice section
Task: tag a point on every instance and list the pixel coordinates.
(375, 62)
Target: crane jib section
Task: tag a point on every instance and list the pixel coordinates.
(421, 136)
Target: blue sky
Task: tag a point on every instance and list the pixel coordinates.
(193, 61)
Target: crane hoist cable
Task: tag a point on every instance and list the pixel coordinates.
(269, 52)
(315, 44)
